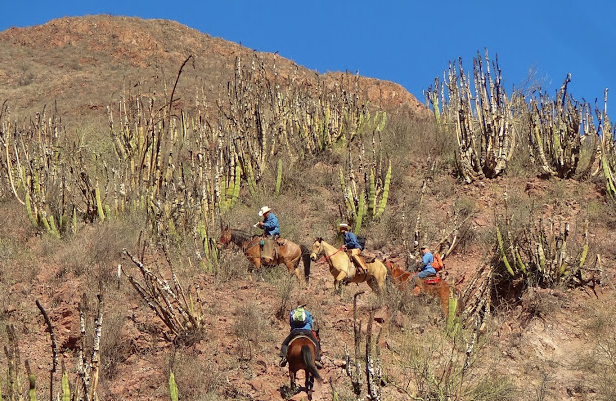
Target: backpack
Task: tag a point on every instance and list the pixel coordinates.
(298, 317)
(361, 241)
(438, 262)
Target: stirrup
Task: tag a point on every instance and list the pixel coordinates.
(283, 361)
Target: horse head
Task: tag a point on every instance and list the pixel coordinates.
(225, 237)
(317, 248)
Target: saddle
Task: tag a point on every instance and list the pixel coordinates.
(431, 280)
(269, 248)
(302, 335)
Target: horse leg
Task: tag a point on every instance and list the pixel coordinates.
(293, 386)
(309, 383)
(257, 263)
(293, 267)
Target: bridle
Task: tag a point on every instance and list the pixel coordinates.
(326, 256)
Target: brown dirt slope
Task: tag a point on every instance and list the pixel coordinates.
(83, 62)
(548, 343)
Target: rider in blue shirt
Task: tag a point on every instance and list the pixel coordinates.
(353, 248)
(426, 261)
(300, 328)
(271, 231)
(269, 224)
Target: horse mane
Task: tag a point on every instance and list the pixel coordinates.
(242, 235)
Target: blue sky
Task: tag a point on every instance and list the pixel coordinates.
(408, 42)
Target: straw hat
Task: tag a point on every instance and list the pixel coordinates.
(343, 225)
(264, 210)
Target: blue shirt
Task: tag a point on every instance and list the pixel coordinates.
(270, 225)
(427, 262)
(306, 326)
(350, 241)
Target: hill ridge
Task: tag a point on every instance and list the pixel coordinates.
(82, 63)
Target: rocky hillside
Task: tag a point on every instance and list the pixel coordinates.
(86, 63)
(537, 342)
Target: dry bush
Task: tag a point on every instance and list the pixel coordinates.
(250, 328)
(197, 376)
(597, 362)
(115, 347)
(431, 365)
(285, 286)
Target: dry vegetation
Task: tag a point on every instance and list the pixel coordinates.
(517, 192)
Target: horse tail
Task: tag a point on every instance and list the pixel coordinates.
(306, 261)
(308, 356)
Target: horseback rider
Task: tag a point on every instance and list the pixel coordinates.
(353, 248)
(300, 320)
(425, 264)
(271, 231)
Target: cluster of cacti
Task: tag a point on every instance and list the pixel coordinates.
(87, 363)
(366, 195)
(169, 302)
(557, 129)
(481, 120)
(372, 360)
(181, 171)
(13, 358)
(607, 150)
(43, 171)
(541, 251)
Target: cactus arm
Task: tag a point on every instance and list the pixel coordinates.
(499, 237)
(99, 204)
(173, 388)
(29, 210)
(372, 194)
(383, 201)
(66, 389)
(361, 210)
(279, 177)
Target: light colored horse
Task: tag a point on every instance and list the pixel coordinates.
(340, 263)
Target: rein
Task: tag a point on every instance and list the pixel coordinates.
(327, 257)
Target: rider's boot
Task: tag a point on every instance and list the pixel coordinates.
(283, 356)
(351, 273)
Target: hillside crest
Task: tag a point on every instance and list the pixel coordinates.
(85, 63)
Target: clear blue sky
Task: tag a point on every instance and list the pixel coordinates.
(408, 42)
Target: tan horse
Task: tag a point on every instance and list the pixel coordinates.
(287, 252)
(339, 264)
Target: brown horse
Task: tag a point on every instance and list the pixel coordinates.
(434, 286)
(287, 252)
(339, 264)
(301, 355)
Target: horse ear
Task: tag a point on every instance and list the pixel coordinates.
(319, 239)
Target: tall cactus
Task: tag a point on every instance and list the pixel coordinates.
(278, 177)
(66, 389)
(32, 383)
(173, 388)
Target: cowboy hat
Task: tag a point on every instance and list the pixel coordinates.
(343, 225)
(264, 210)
